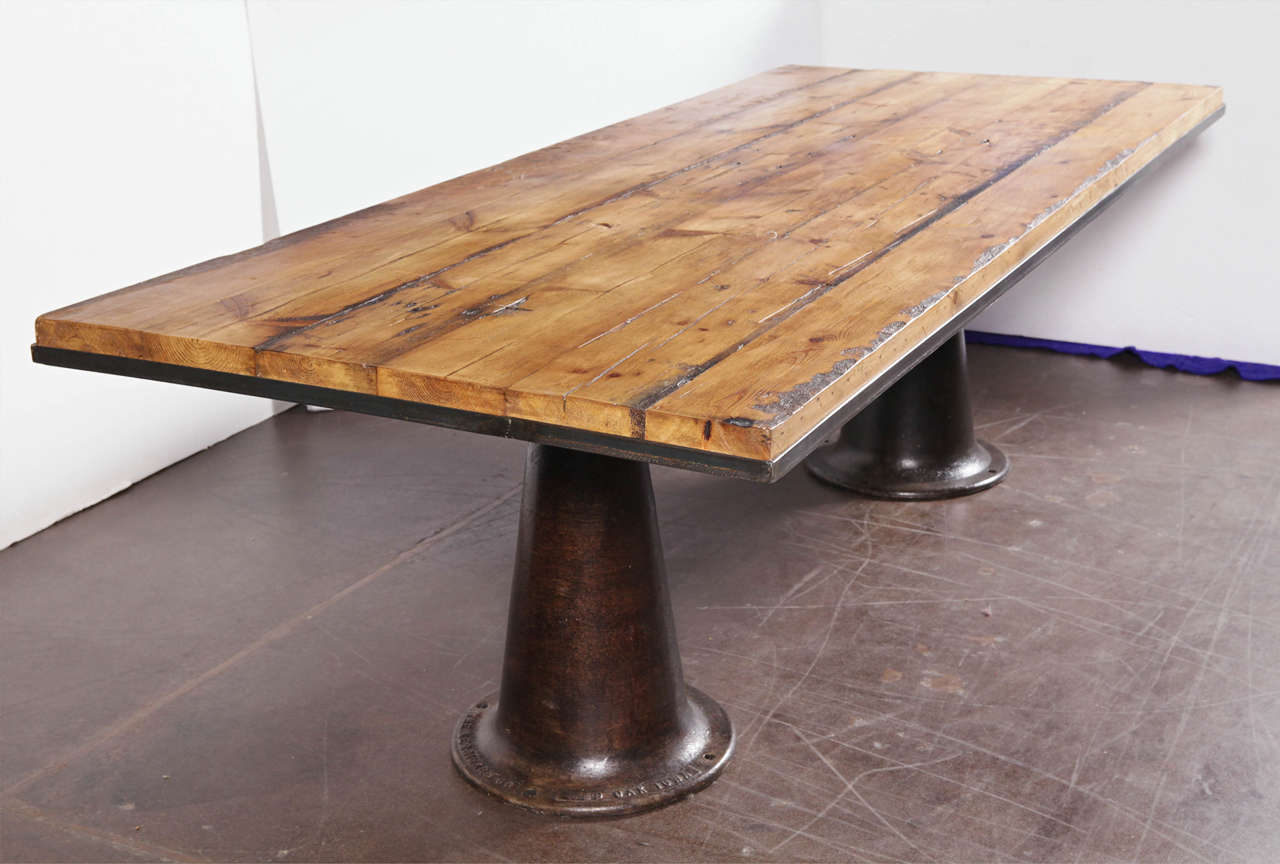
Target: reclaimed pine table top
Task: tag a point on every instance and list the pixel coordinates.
(707, 285)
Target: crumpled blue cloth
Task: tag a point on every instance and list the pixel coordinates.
(1181, 362)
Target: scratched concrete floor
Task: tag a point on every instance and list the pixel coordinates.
(258, 654)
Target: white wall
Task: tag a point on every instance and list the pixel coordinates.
(364, 107)
(128, 150)
(1183, 262)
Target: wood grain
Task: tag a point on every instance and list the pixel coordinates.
(720, 274)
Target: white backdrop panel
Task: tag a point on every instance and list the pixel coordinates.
(362, 106)
(1182, 263)
(129, 150)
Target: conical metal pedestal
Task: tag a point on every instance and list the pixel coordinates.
(916, 440)
(593, 717)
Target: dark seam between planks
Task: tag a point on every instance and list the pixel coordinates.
(385, 293)
(826, 287)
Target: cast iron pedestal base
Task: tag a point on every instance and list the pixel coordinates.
(593, 716)
(916, 440)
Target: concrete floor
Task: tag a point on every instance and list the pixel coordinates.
(259, 653)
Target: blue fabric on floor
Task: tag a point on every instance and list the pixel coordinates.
(1181, 362)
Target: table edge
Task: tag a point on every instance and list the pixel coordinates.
(539, 432)
(533, 431)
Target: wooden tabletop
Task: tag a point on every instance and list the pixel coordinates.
(716, 278)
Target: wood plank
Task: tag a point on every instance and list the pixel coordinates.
(718, 275)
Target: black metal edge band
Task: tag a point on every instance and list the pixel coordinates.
(833, 422)
(399, 409)
(595, 442)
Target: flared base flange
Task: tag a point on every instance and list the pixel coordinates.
(619, 785)
(860, 472)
